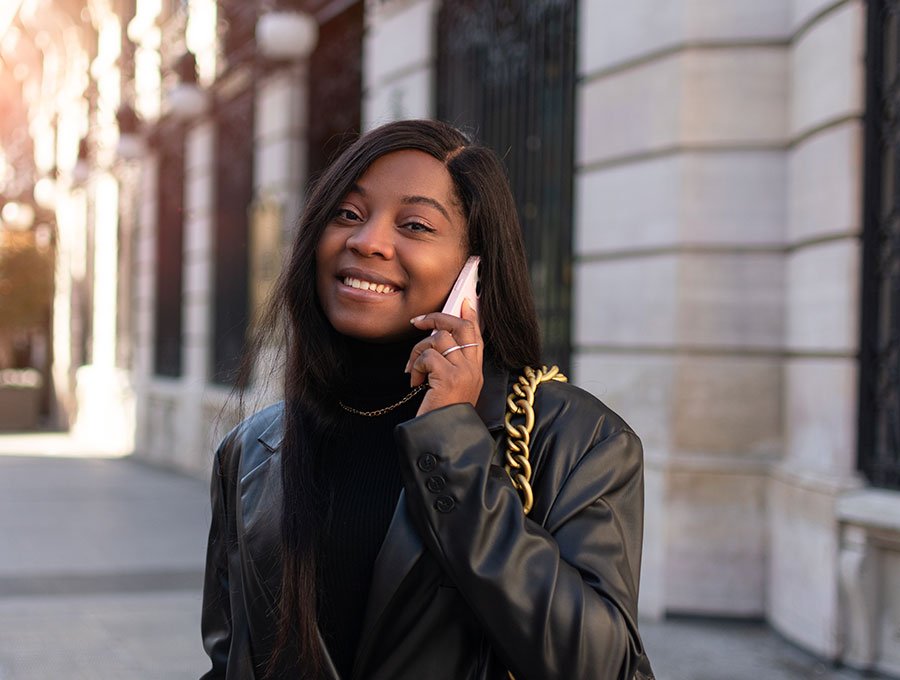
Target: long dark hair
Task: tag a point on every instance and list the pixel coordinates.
(314, 362)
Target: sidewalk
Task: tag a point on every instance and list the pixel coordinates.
(101, 563)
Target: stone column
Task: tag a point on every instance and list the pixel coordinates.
(105, 401)
(398, 60)
(199, 212)
(679, 276)
(279, 179)
(144, 272)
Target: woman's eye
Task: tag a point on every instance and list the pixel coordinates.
(346, 214)
(418, 227)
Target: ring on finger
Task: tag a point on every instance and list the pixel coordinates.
(456, 347)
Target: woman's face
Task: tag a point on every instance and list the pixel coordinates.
(393, 249)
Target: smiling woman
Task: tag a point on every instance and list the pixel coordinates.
(364, 527)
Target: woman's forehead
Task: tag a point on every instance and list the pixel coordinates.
(410, 177)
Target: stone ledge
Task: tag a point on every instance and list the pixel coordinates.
(816, 481)
(698, 462)
(875, 508)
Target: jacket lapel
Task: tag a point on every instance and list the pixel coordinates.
(259, 501)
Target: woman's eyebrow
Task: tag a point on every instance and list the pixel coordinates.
(408, 200)
(412, 200)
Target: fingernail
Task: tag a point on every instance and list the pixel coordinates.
(416, 319)
(406, 370)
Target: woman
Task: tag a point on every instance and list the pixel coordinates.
(363, 528)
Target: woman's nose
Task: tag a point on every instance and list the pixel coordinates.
(373, 238)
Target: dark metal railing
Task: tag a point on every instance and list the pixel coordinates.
(506, 70)
(879, 403)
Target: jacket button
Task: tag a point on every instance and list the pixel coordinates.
(426, 462)
(444, 504)
(436, 484)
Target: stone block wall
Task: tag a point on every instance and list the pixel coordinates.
(680, 227)
(398, 60)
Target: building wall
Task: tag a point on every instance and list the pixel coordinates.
(680, 229)
(398, 60)
(717, 223)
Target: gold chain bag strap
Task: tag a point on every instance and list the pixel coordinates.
(518, 437)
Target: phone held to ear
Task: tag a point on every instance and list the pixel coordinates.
(466, 286)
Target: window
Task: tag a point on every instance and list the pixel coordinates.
(234, 194)
(237, 20)
(169, 253)
(335, 87)
(506, 70)
(879, 403)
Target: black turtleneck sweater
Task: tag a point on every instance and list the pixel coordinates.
(361, 476)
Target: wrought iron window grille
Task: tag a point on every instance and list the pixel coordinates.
(879, 394)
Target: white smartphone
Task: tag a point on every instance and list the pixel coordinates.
(466, 286)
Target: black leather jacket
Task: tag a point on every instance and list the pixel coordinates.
(465, 586)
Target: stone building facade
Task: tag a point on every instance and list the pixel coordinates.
(718, 181)
(717, 252)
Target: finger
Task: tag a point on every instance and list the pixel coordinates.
(441, 340)
(426, 363)
(458, 355)
(462, 330)
(476, 353)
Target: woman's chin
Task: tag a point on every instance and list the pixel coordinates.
(376, 333)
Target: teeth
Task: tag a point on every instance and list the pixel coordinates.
(367, 285)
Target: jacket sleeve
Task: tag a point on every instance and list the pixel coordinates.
(216, 619)
(559, 602)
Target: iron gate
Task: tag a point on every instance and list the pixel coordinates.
(506, 70)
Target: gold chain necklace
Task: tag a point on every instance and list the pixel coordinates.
(386, 409)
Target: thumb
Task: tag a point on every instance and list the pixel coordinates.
(469, 311)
